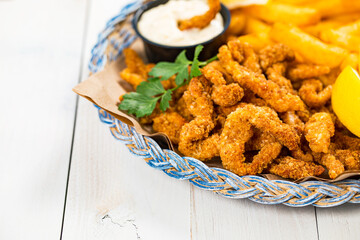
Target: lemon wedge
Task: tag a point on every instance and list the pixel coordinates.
(345, 99)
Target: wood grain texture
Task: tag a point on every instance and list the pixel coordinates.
(40, 48)
(112, 194)
(215, 217)
(341, 222)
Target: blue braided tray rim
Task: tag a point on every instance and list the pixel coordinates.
(220, 181)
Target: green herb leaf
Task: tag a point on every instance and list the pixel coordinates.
(150, 88)
(181, 58)
(182, 75)
(165, 99)
(195, 70)
(165, 70)
(138, 104)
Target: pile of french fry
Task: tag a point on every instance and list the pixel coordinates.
(322, 32)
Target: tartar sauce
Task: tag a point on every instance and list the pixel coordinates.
(160, 24)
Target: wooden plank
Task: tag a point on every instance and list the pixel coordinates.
(113, 194)
(215, 217)
(339, 222)
(40, 47)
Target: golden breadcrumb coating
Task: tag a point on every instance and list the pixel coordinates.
(334, 166)
(313, 94)
(350, 158)
(280, 99)
(170, 124)
(304, 71)
(201, 21)
(288, 167)
(273, 54)
(318, 131)
(227, 95)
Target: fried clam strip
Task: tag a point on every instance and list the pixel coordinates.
(280, 99)
(245, 54)
(334, 166)
(136, 71)
(276, 74)
(318, 131)
(238, 130)
(343, 141)
(170, 124)
(349, 158)
(288, 167)
(273, 60)
(294, 120)
(313, 94)
(201, 21)
(222, 94)
(304, 71)
(273, 54)
(194, 136)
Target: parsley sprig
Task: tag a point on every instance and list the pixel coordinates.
(148, 93)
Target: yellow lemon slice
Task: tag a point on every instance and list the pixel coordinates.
(346, 99)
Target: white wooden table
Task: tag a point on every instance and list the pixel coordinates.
(63, 175)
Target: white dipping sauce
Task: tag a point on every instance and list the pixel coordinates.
(160, 24)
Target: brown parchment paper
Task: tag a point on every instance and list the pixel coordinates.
(105, 87)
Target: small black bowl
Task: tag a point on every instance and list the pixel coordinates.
(156, 52)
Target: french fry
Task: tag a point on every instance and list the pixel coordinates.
(341, 39)
(311, 48)
(293, 2)
(254, 25)
(331, 23)
(276, 12)
(351, 60)
(329, 8)
(257, 41)
(237, 23)
(352, 28)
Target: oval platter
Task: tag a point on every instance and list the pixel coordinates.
(220, 181)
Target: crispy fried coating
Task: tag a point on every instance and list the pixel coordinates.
(313, 94)
(280, 99)
(195, 140)
(134, 63)
(213, 74)
(132, 78)
(245, 55)
(294, 120)
(350, 158)
(216, 65)
(222, 94)
(268, 121)
(304, 71)
(182, 108)
(201, 21)
(227, 95)
(288, 167)
(237, 131)
(318, 131)
(276, 74)
(136, 71)
(276, 53)
(344, 141)
(194, 136)
(170, 124)
(334, 166)
(259, 140)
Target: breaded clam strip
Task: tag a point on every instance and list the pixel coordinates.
(238, 130)
(280, 99)
(318, 131)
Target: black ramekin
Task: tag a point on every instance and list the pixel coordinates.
(156, 52)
